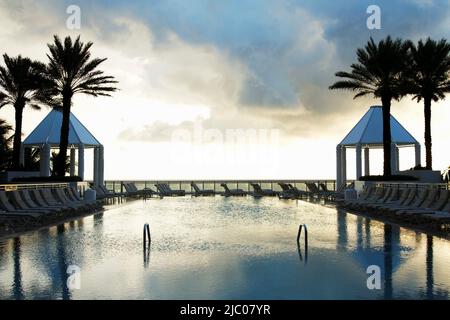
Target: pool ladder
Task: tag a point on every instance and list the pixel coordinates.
(147, 241)
(146, 235)
(300, 228)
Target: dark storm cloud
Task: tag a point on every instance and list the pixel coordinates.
(289, 45)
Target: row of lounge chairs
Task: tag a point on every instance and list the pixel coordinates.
(319, 191)
(38, 204)
(416, 205)
(130, 190)
(164, 190)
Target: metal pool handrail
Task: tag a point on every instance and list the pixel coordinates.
(300, 227)
(146, 234)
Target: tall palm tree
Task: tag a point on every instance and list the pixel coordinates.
(22, 83)
(430, 71)
(5, 141)
(380, 72)
(74, 72)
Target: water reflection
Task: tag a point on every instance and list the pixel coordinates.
(342, 230)
(430, 280)
(299, 250)
(17, 284)
(217, 248)
(387, 249)
(62, 260)
(146, 253)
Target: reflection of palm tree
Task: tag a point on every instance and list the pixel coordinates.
(73, 72)
(359, 238)
(368, 234)
(379, 72)
(17, 286)
(342, 229)
(62, 262)
(430, 278)
(387, 261)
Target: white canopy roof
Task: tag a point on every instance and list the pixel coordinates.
(369, 131)
(49, 131)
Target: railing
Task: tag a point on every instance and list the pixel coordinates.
(413, 185)
(82, 186)
(117, 185)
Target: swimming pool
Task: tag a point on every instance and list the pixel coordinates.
(224, 248)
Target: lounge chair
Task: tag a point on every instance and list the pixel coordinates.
(298, 192)
(63, 198)
(22, 205)
(146, 191)
(50, 199)
(419, 198)
(232, 192)
(75, 195)
(402, 195)
(9, 208)
(333, 195)
(364, 194)
(426, 203)
(41, 201)
(287, 192)
(26, 197)
(259, 192)
(435, 218)
(314, 189)
(381, 200)
(374, 196)
(129, 191)
(431, 204)
(102, 193)
(440, 216)
(202, 192)
(391, 195)
(407, 199)
(165, 190)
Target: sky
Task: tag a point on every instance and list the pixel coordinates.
(226, 89)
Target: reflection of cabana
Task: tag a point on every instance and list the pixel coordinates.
(368, 133)
(47, 135)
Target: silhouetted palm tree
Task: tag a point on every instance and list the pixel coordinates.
(5, 142)
(430, 80)
(22, 83)
(379, 72)
(53, 161)
(74, 72)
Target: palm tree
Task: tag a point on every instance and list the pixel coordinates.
(22, 83)
(5, 142)
(72, 72)
(53, 160)
(380, 72)
(430, 70)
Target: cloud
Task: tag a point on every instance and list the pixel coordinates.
(234, 64)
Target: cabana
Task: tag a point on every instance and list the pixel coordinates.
(368, 133)
(46, 136)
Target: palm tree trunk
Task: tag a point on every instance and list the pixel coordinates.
(17, 134)
(64, 139)
(427, 114)
(386, 101)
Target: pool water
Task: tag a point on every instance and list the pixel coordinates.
(224, 248)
